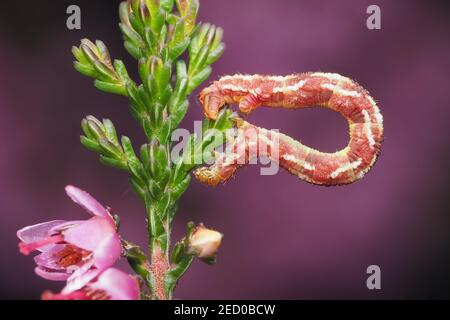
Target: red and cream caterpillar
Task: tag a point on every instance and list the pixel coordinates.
(328, 90)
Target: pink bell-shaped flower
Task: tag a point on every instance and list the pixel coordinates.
(70, 249)
(111, 284)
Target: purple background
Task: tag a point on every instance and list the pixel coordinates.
(284, 239)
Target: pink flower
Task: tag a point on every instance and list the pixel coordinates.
(71, 249)
(112, 284)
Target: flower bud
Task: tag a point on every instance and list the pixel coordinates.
(204, 243)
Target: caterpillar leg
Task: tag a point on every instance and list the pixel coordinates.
(248, 103)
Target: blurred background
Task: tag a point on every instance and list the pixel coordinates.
(284, 239)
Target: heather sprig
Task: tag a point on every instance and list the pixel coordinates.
(174, 54)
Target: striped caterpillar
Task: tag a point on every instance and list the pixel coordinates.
(328, 90)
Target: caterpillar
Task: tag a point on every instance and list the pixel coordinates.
(328, 90)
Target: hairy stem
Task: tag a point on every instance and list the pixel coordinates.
(159, 266)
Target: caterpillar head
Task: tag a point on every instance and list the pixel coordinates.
(212, 101)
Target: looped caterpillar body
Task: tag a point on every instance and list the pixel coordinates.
(329, 90)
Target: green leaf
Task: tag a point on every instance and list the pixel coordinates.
(85, 128)
(111, 87)
(107, 72)
(144, 70)
(137, 259)
(103, 50)
(172, 19)
(157, 116)
(190, 14)
(145, 156)
(114, 163)
(163, 205)
(133, 162)
(132, 49)
(134, 6)
(146, 125)
(178, 49)
(199, 78)
(178, 190)
(179, 95)
(224, 120)
(79, 55)
(85, 70)
(158, 160)
(150, 39)
(89, 50)
(210, 35)
(181, 69)
(217, 39)
(152, 86)
(178, 113)
(137, 187)
(213, 56)
(178, 33)
(110, 131)
(178, 252)
(163, 41)
(166, 95)
(164, 132)
(136, 23)
(146, 98)
(162, 73)
(153, 7)
(199, 40)
(133, 94)
(95, 128)
(110, 149)
(131, 35)
(199, 61)
(158, 20)
(90, 144)
(154, 189)
(121, 71)
(167, 5)
(123, 13)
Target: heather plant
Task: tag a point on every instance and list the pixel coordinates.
(174, 55)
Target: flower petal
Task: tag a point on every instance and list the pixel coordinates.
(79, 279)
(86, 201)
(107, 252)
(38, 232)
(117, 284)
(51, 275)
(64, 226)
(89, 234)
